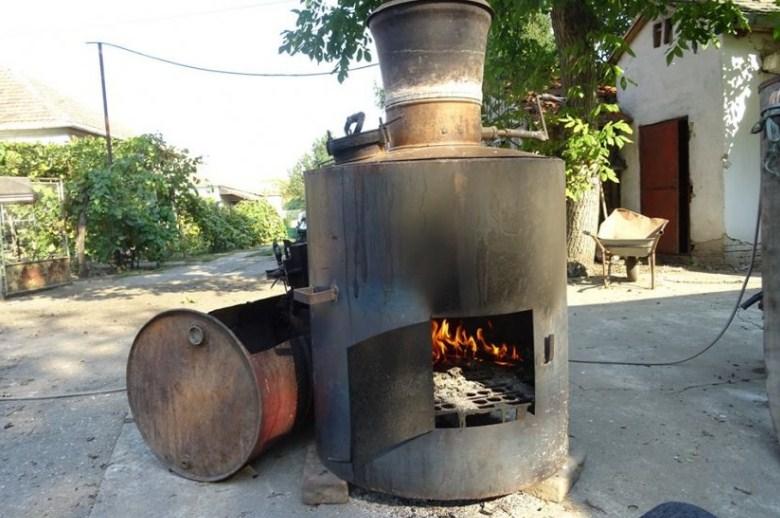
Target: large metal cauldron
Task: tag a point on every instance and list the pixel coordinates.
(432, 56)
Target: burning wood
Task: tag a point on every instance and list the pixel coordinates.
(454, 344)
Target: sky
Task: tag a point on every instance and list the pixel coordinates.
(249, 130)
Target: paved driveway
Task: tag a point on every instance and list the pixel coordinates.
(75, 339)
(699, 432)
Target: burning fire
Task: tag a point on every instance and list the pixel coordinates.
(457, 344)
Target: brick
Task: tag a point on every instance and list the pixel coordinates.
(320, 486)
(555, 488)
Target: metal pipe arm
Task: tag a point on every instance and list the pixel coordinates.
(492, 133)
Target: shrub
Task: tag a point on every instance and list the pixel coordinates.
(222, 229)
(265, 224)
(145, 206)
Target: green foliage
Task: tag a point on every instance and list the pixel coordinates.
(294, 192)
(327, 32)
(265, 224)
(521, 57)
(221, 228)
(132, 207)
(145, 206)
(36, 231)
(520, 52)
(34, 160)
(587, 150)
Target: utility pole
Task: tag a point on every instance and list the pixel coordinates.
(105, 105)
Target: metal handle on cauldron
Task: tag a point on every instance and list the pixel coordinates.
(311, 296)
(357, 119)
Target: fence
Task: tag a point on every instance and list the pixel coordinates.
(34, 250)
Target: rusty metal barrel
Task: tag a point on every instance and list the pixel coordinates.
(432, 56)
(210, 392)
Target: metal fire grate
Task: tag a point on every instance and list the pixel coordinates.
(491, 399)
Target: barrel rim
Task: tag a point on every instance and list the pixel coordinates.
(395, 3)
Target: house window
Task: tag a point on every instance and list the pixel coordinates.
(668, 31)
(657, 33)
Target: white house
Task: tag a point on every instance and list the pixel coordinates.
(694, 160)
(31, 111)
(230, 196)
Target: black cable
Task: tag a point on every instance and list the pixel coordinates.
(62, 396)
(227, 72)
(722, 331)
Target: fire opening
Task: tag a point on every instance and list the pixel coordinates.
(483, 369)
(453, 344)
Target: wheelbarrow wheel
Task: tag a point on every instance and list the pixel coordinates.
(632, 268)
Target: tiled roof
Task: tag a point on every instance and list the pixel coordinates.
(27, 104)
(238, 194)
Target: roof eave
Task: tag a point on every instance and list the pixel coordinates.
(759, 23)
(631, 34)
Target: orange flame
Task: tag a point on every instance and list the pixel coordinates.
(460, 346)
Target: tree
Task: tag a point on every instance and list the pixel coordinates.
(127, 211)
(294, 190)
(145, 206)
(521, 58)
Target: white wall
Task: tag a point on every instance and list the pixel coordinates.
(742, 75)
(43, 136)
(209, 192)
(691, 86)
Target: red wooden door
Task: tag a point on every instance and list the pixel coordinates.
(660, 180)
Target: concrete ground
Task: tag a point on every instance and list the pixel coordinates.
(699, 432)
(76, 338)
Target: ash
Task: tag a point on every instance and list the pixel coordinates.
(458, 387)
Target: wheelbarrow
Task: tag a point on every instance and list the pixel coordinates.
(628, 234)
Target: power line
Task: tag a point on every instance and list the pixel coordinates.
(220, 71)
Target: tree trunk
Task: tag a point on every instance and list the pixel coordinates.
(81, 239)
(573, 21)
(582, 215)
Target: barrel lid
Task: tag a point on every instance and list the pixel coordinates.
(395, 3)
(193, 394)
